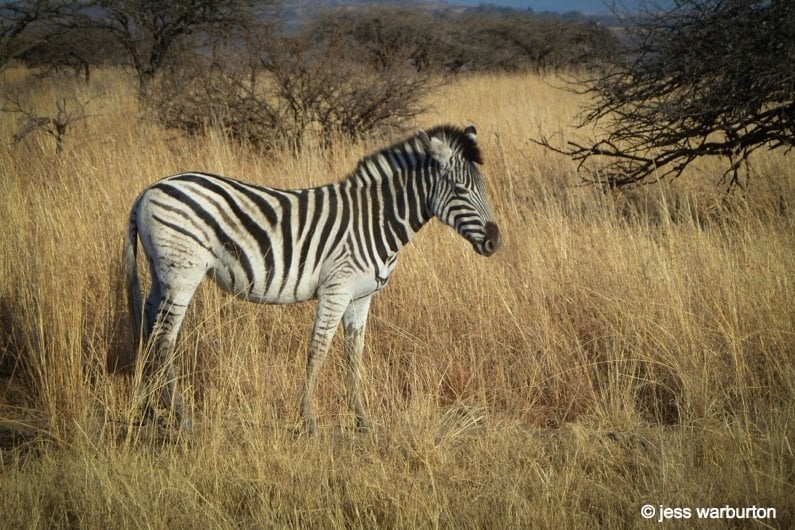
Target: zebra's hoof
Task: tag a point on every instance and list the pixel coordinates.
(364, 426)
(186, 424)
(305, 428)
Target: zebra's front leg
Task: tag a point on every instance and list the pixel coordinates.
(329, 312)
(354, 321)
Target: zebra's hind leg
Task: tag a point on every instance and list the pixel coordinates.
(163, 373)
(329, 312)
(149, 371)
(159, 367)
(354, 322)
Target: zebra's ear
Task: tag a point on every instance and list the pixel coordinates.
(471, 132)
(438, 149)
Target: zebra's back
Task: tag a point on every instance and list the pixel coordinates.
(265, 244)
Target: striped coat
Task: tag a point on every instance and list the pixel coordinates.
(336, 243)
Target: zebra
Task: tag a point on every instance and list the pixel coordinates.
(336, 243)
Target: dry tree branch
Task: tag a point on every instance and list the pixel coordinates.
(69, 110)
(703, 79)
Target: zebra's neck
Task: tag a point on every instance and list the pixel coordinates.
(389, 190)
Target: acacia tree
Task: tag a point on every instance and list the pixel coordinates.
(704, 78)
(150, 30)
(16, 20)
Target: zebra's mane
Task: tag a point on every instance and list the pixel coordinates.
(461, 142)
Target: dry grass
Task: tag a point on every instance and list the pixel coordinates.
(617, 351)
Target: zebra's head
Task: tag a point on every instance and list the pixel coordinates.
(458, 196)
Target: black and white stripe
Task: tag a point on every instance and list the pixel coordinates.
(337, 243)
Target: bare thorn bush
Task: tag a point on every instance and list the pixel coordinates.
(281, 88)
(68, 111)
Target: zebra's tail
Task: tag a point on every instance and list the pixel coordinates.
(133, 285)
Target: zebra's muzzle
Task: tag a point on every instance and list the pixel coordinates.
(491, 242)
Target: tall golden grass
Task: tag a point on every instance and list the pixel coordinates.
(617, 351)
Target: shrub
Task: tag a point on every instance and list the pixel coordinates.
(283, 87)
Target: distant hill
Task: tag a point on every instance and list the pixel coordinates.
(586, 7)
(594, 10)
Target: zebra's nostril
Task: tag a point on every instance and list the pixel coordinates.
(493, 240)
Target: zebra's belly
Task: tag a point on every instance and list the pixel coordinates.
(272, 289)
(267, 290)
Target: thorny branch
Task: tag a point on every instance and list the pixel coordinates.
(704, 79)
(69, 110)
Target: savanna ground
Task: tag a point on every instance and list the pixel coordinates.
(618, 350)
